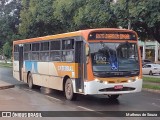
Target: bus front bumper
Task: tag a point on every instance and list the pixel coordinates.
(94, 87)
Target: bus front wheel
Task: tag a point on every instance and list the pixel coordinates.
(113, 96)
(70, 95)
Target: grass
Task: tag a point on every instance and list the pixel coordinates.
(151, 79)
(151, 83)
(149, 86)
(8, 65)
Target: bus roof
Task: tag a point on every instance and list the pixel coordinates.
(83, 33)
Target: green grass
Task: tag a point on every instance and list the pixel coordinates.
(151, 79)
(8, 65)
(149, 86)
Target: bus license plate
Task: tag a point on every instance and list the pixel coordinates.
(118, 87)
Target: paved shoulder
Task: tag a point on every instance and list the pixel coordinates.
(5, 85)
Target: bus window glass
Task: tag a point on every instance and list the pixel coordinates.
(35, 55)
(16, 52)
(67, 56)
(114, 57)
(67, 44)
(44, 56)
(16, 56)
(44, 46)
(55, 45)
(27, 56)
(16, 48)
(35, 47)
(27, 47)
(55, 56)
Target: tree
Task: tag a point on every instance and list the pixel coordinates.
(64, 11)
(9, 20)
(95, 14)
(7, 51)
(144, 16)
(40, 18)
(37, 19)
(80, 14)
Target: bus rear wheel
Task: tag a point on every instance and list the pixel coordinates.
(113, 96)
(70, 95)
(30, 81)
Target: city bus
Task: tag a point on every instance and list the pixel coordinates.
(104, 61)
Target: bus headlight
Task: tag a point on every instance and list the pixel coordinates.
(105, 82)
(137, 78)
(96, 80)
(129, 81)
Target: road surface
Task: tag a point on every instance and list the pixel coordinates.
(20, 98)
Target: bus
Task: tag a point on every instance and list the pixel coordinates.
(102, 61)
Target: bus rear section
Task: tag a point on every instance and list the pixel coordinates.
(114, 67)
(55, 62)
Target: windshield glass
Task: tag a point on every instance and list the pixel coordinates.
(110, 59)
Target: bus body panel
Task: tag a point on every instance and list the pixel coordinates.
(56, 69)
(94, 87)
(48, 81)
(16, 70)
(49, 74)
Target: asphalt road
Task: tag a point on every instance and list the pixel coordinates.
(21, 98)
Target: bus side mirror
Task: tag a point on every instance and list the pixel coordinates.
(87, 54)
(87, 51)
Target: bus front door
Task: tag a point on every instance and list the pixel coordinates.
(20, 61)
(79, 58)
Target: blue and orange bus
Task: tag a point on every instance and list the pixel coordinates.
(90, 62)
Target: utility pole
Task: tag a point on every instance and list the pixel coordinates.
(128, 18)
(129, 24)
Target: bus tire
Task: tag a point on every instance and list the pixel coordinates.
(113, 96)
(30, 81)
(69, 94)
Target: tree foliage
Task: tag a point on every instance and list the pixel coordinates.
(7, 51)
(37, 18)
(95, 14)
(64, 12)
(144, 16)
(9, 20)
(57, 16)
(20, 19)
(83, 14)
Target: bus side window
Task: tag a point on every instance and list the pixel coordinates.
(55, 56)
(68, 50)
(55, 50)
(16, 52)
(68, 44)
(44, 56)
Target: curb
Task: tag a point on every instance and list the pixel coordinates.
(151, 90)
(7, 87)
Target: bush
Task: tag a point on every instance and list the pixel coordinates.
(7, 51)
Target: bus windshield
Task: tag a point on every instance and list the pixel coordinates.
(114, 59)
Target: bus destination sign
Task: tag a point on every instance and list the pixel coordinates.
(112, 36)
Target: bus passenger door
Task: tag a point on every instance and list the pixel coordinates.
(79, 58)
(20, 61)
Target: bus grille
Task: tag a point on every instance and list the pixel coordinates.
(112, 89)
